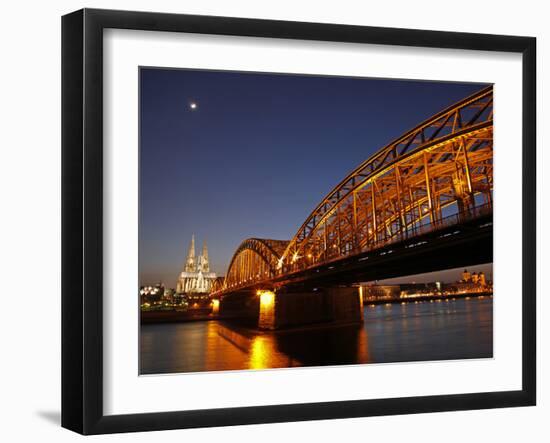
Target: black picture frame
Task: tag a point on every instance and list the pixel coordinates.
(82, 219)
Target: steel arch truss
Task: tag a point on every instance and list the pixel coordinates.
(435, 171)
(438, 174)
(254, 260)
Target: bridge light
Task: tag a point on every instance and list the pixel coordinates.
(267, 298)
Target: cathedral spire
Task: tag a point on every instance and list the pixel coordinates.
(196, 277)
(204, 258)
(190, 265)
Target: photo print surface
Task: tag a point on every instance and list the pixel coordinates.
(296, 220)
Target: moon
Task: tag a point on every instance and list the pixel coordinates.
(193, 106)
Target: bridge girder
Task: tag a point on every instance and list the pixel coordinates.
(445, 161)
(440, 170)
(254, 260)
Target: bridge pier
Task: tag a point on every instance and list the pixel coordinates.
(243, 305)
(215, 307)
(329, 305)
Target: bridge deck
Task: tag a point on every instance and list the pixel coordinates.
(467, 244)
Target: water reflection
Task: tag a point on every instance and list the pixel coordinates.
(261, 353)
(454, 329)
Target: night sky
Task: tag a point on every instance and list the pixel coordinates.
(257, 154)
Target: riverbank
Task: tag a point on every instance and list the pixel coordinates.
(147, 317)
(153, 317)
(424, 331)
(423, 298)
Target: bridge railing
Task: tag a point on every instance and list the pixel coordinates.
(412, 232)
(472, 114)
(469, 214)
(408, 233)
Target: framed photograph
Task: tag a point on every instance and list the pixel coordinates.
(269, 221)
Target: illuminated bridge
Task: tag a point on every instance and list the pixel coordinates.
(421, 203)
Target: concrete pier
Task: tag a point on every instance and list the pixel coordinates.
(240, 305)
(274, 310)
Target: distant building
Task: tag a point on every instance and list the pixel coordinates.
(470, 283)
(378, 293)
(196, 277)
(481, 279)
(381, 292)
(151, 295)
(476, 279)
(169, 295)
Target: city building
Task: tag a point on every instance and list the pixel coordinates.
(477, 278)
(196, 280)
(381, 292)
(474, 282)
(169, 295)
(482, 281)
(377, 293)
(151, 295)
(471, 283)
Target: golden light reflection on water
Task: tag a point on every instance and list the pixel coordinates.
(239, 348)
(404, 333)
(261, 353)
(363, 347)
(224, 349)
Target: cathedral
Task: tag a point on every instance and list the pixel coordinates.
(196, 277)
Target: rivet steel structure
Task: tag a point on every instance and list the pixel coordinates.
(438, 174)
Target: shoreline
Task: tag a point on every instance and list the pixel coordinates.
(424, 298)
(173, 316)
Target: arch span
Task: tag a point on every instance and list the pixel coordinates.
(440, 168)
(437, 174)
(254, 260)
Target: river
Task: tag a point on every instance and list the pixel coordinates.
(432, 330)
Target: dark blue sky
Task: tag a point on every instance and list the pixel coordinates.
(257, 154)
